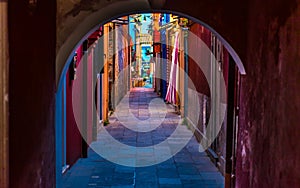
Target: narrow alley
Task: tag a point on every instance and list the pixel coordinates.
(121, 93)
(188, 168)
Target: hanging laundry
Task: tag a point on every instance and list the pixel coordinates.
(172, 96)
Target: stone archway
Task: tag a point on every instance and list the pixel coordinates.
(265, 35)
(76, 21)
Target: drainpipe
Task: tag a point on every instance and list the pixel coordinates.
(186, 70)
(129, 55)
(230, 128)
(97, 96)
(84, 100)
(115, 47)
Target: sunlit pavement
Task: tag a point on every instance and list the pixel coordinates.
(187, 168)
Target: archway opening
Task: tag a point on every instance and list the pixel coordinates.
(185, 63)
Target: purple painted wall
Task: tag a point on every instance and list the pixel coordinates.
(269, 144)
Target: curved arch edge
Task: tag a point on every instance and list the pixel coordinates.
(84, 29)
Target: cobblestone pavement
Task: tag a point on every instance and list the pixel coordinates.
(187, 168)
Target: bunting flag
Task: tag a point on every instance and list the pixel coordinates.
(171, 95)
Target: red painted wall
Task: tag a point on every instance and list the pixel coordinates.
(73, 135)
(32, 93)
(195, 73)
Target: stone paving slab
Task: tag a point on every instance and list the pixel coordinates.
(188, 168)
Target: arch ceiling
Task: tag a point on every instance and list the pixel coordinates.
(76, 20)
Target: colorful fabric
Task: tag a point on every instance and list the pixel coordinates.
(171, 95)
